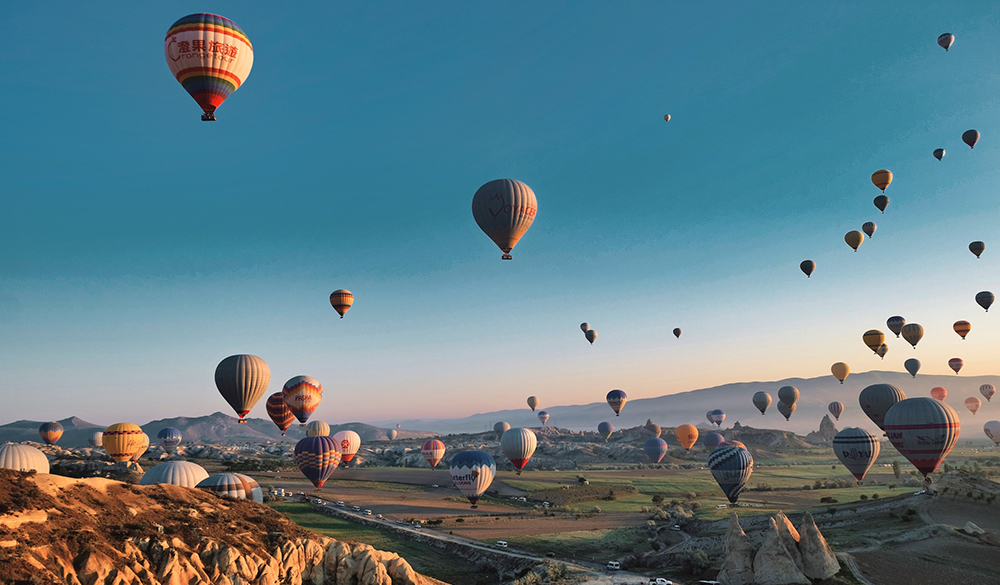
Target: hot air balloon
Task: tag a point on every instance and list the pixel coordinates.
(939, 153)
(170, 439)
(731, 467)
(504, 210)
(23, 458)
(472, 472)
(854, 239)
(716, 416)
(391, 434)
(869, 228)
(318, 458)
(533, 403)
(807, 267)
(840, 371)
(987, 390)
(616, 400)
(761, 400)
(881, 179)
(956, 364)
(542, 416)
(734, 443)
(591, 336)
(666, 117)
(712, 440)
(786, 410)
(895, 324)
(912, 366)
(210, 56)
(279, 412)
(179, 473)
(605, 429)
(882, 350)
(433, 451)
(655, 449)
(96, 439)
(677, 332)
(992, 430)
(881, 202)
(399, 426)
(875, 401)
(985, 299)
(836, 409)
(857, 449)
(122, 440)
(518, 445)
(977, 248)
(973, 404)
(687, 436)
(500, 428)
(788, 394)
(317, 428)
(233, 485)
(50, 432)
(923, 430)
(945, 40)
(939, 393)
(653, 430)
(302, 395)
(143, 446)
(970, 137)
(242, 380)
(341, 299)
(348, 443)
(912, 333)
(585, 327)
(873, 338)
(962, 328)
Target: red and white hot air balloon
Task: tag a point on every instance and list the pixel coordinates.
(987, 390)
(923, 430)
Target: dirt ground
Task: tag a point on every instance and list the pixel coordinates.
(939, 560)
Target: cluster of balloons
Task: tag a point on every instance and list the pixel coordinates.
(590, 334)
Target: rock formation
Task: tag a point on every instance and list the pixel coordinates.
(824, 436)
(790, 537)
(737, 568)
(786, 557)
(818, 560)
(773, 564)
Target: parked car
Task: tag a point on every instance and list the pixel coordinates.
(522, 499)
(721, 506)
(501, 544)
(379, 516)
(435, 485)
(550, 554)
(677, 526)
(614, 565)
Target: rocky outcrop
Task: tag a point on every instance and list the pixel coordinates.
(789, 537)
(737, 568)
(786, 557)
(818, 560)
(824, 436)
(773, 564)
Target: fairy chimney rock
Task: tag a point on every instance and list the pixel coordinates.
(737, 568)
(773, 564)
(818, 560)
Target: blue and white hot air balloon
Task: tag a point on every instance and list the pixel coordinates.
(731, 467)
(472, 472)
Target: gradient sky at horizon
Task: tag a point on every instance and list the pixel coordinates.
(141, 246)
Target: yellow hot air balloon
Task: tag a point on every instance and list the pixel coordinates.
(854, 239)
(881, 179)
(533, 403)
(840, 371)
(687, 435)
(341, 299)
(666, 117)
(873, 338)
(122, 440)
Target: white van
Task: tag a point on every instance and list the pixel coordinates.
(614, 565)
(501, 544)
(720, 506)
(356, 508)
(341, 504)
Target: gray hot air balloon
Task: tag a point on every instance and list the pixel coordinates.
(945, 41)
(786, 410)
(875, 401)
(939, 153)
(762, 400)
(895, 324)
(912, 366)
(585, 327)
(807, 267)
(913, 333)
(500, 428)
(242, 379)
(391, 434)
(923, 430)
(977, 248)
(970, 137)
(985, 299)
(518, 445)
(605, 429)
(857, 449)
(504, 210)
(788, 394)
(591, 336)
(869, 228)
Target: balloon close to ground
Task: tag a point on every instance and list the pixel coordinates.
(923, 430)
(687, 436)
(857, 450)
(472, 472)
(913, 333)
(945, 41)
(762, 400)
(970, 137)
(854, 238)
(605, 429)
(504, 209)
(840, 371)
(956, 364)
(317, 458)
(591, 336)
(347, 442)
(786, 410)
(179, 473)
(939, 393)
(992, 430)
(973, 404)
(977, 248)
(717, 417)
(655, 448)
(242, 380)
(895, 324)
(987, 390)
(317, 428)
(518, 445)
(19, 457)
(433, 451)
(874, 339)
(50, 432)
(617, 400)
(731, 466)
(788, 394)
(96, 439)
(279, 412)
(653, 430)
(836, 409)
(169, 438)
(881, 202)
(939, 153)
(877, 399)
(962, 328)
(341, 299)
(912, 366)
(807, 267)
(881, 179)
(985, 299)
(122, 440)
(869, 228)
(712, 440)
(233, 485)
(543, 417)
(500, 428)
(532, 403)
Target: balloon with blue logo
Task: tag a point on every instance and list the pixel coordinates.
(472, 472)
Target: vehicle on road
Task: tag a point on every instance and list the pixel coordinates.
(501, 544)
(356, 508)
(367, 512)
(379, 516)
(720, 506)
(550, 554)
(614, 566)
(660, 581)
(677, 526)
(340, 504)
(522, 499)
(435, 485)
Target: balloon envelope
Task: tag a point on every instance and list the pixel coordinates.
(882, 350)
(96, 439)
(472, 472)
(923, 430)
(518, 445)
(970, 137)
(973, 404)
(836, 409)
(504, 210)
(666, 117)
(788, 394)
(605, 429)
(677, 332)
(348, 443)
(279, 412)
(585, 327)
(317, 458)
(869, 228)
(913, 333)
(23, 458)
(731, 467)
(992, 430)
(877, 399)
(179, 473)
(977, 248)
(762, 400)
(233, 485)
(143, 446)
(391, 434)
(985, 299)
(170, 439)
(881, 179)
(532, 403)
(500, 428)
(945, 40)
(786, 410)
(857, 449)
(895, 324)
(939, 393)
(433, 451)
(962, 328)
(687, 436)
(956, 364)
(591, 336)
(122, 440)
(854, 239)
(988, 390)
(341, 300)
(50, 432)
(302, 395)
(651, 429)
(840, 371)
(242, 380)
(912, 366)
(873, 338)
(939, 153)
(317, 428)
(717, 416)
(807, 267)
(881, 202)
(616, 400)
(712, 440)
(655, 448)
(543, 417)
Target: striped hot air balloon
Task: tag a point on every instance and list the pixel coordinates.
(973, 404)
(500, 428)
(518, 445)
(762, 400)
(317, 428)
(877, 399)
(169, 439)
(687, 436)
(242, 379)
(987, 390)
(122, 440)
(543, 417)
(913, 333)
(210, 56)
(923, 430)
(317, 458)
(836, 409)
(348, 443)
(233, 485)
(873, 338)
(279, 412)
(302, 395)
(939, 393)
(472, 472)
(341, 299)
(504, 210)
(655, 448)
(23, 458)
(881, 179)
(50, 432)
(895, 324)
(179, 473)
(433, 451)
(857, 449)
(962, 328)
(731, 467)
(605, 429)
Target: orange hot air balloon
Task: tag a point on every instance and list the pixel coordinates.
(341, 300)
(840, 371)
(504, 210)
(881, 179)
(962, 328)
(939, 393)
(687, 436)
(854, 238)
(874, 339)
(973, 404)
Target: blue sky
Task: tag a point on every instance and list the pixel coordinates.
(141, 246)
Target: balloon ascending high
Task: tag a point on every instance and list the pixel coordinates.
(973, 404)
(122, 440)
(882, 350)
(854, 239)
(970, 137)
(242, 380)
(875, 401)
(210, 56)
(985, 299)
(518, 445)
(50, 432)
(532, 403)
(655, 449)
(939, 393)
(836, 409)
(687, 436)
(881, 202)
(988, 390)
(962, 328)
(341, 299)
(977, 248)
(716, 416)
(585, 327)
(500, 428)
(543, 417)
(786, 410)
(731, 467)
(956, 364)
(788, 394)
(318, 428)
(677, 332)
(317, 458)
(881, 179)
(873, 338)
(616, 400)
(869, 228)
(605, 429)
(433, 451)
(302, 395)
(913, 333)
(895, 324)
(762, 400)
(279, 412)
(591, 336)
(712, 440)
(840, 371)
(939, 153)
(945, 40)
(348, 443)
(472, 472)
(504, 210)
(912, 366)
(666, 117)
(992, 430)
(923, 430)
(170, 439)
(807, 267)
(857, 449)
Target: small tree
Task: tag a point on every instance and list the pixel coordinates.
(658, 499)
(896, 469)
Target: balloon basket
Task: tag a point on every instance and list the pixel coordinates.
(506, 257)
(473, 506)
(208, 117)
(242, 422)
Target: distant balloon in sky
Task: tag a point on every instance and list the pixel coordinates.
(605, 429)
(939, 153)
(317, 458)
(302, 395)
(518, 445)
(318, 428)
(542, 416)
(913, 333)
(854, 239)
(712, 440)
(973, 404)
(170, 439)
(655, 448)
(939, 393)
(945, 40)
(591, 336)
(857, 450)
(677, 332)
(881, 202)
(882, 350)
(840, 371)
(985, 299)
(977, 248)
(347, 442)
(433, 451)
(585, 327)
(341, 300)
(970, 137)
(956, 364)
(912, 366)
(873, 338)
(992, 430)
(687, 436)
(923, 430)
(962, 328)
(472, 472)
(875, 401)
(666, 117)
(532, 403)
(210, 56)
(616, 400)
(500, 428)
(717, 416)
(504, 210)
(881, 179)
(895, 324)
(987, 390)
(869, 228)
(242, 379)
(50, 432)
(279, 412)
(807, 267)
(762, 400)
(788, 394)
(786, 410)
(836, 409)
(731, 467)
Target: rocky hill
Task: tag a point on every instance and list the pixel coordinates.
(76, 431)
(98, 531)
